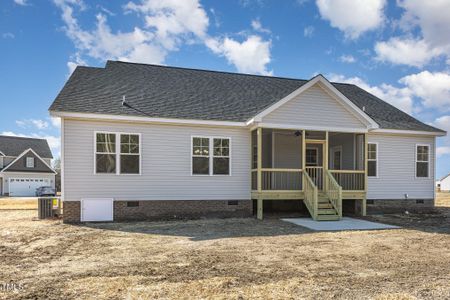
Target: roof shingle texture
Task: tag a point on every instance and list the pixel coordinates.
(171, 92)
(14, 146)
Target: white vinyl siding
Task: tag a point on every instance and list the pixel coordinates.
(315, 108)
(165, 164)
(396, 172)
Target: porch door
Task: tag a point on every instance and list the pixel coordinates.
(314, 163)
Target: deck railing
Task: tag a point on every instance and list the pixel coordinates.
(278, 179)
(311, 195)
(334, 192)
(316, 175)
(350, 180)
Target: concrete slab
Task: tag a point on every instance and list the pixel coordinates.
(344, 224)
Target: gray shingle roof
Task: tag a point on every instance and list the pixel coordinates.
(14, 146)
(171, 92)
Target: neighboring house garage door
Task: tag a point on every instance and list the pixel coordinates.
(96, 210)
(23, 187)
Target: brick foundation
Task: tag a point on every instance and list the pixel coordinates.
(71, 211)
(171, 209)
(399, 205)
(175, 209)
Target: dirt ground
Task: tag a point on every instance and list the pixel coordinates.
(223, 259)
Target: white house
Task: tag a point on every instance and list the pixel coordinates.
(443, 185)
(145, 141)
(24, 166)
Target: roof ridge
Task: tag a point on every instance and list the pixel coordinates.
(22, 137)
(202, 70)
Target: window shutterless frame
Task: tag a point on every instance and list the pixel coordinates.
(428, 161)
(211, 154)
(377, 151)
(117, 152)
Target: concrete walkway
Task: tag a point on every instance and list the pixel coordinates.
(344, 224)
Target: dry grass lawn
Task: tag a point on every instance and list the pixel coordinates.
(231, 258)
(15, 203)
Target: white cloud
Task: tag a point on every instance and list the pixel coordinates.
(444, 124)
(406, 51)
(257, 26)
(433, 88)
(347, 59)
(250, 56)
(308, 31)
(8, 35)
(443, 150)
(167, 24)
(56, 122)
(21, 2)
(53, 141)
(433, 40)
(401, 98)
(352, 17)
(33, 123)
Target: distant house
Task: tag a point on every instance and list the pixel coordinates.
(443, 185)
(144, 141)
(24, 165)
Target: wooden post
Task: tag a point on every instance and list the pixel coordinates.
(325, 161)
(366, 153)
(304, 150)
(259, 211)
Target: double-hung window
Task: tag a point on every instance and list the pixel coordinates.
(221, 157)
(129, 154)
(422, 160)
(117, 153)
(372, 160)
(205, 162)
(30, 162)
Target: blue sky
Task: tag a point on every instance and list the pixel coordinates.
(398, 50)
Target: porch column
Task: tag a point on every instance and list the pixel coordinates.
(325, 161)
(259, 207)
(364, 200)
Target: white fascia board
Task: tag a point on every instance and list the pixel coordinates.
(408, 132)
(22, 154)
(106, 117)
(309, 127)
(351, 107)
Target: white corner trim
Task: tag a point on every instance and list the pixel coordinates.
(409, 132)
(22, 154)
(319, 78)
(107, 117)
(2, 154)
(62, 160)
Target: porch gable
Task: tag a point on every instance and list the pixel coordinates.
(317, 105)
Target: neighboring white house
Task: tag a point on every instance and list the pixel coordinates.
(146, 142)
(443, 185)
(24, 166)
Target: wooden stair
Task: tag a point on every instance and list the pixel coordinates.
(326, 211)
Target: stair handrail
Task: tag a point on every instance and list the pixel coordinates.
(334, 192)
(311, 195)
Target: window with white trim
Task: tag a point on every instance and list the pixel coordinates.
(372, 160)
(206, 163)
(422, 160)
(30, 162)
(221, 156)
(129, 154)
(117, 153)
(200, 156)
(105, 153)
